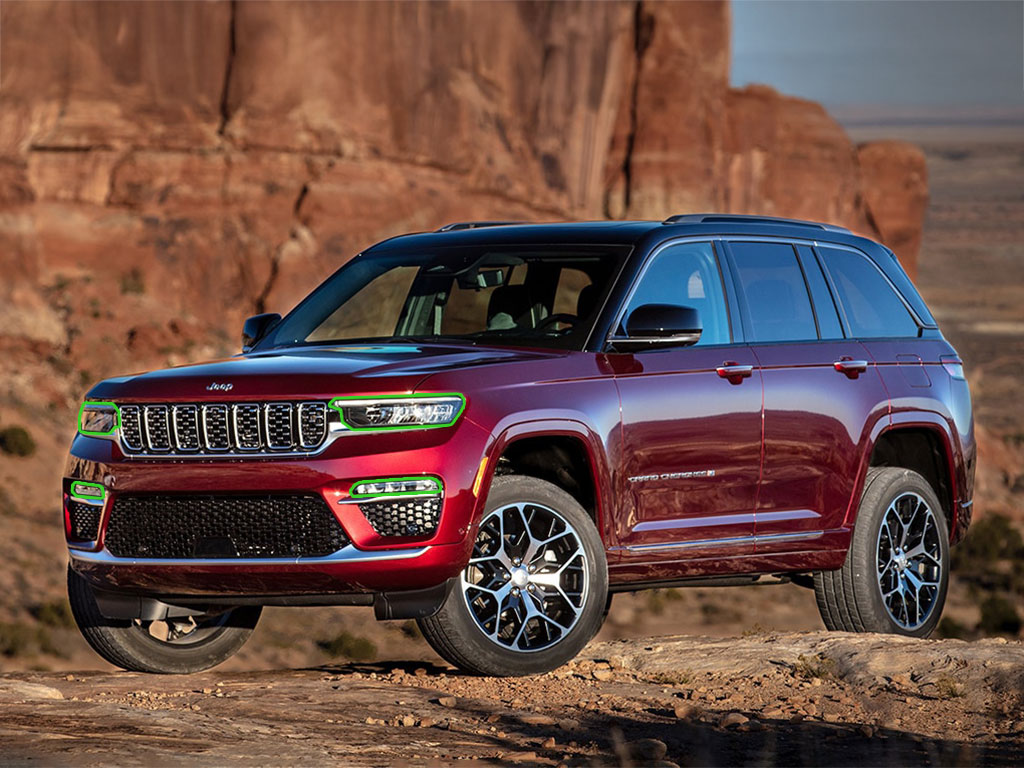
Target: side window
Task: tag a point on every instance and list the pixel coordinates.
(825, 310)
(775, 291)
(687, 274)
(872, 307)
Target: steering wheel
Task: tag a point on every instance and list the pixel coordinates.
(561, 317)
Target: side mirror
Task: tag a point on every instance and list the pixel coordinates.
(256, 327)
(653, 326)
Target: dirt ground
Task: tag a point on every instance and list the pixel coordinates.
(771, 699)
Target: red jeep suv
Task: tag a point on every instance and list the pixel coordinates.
(494, 427)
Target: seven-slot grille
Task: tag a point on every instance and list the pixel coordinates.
(223, 428)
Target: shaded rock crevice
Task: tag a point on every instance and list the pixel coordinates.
(225, 94)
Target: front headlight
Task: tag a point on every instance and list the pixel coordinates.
(399, 411)
(98, 419)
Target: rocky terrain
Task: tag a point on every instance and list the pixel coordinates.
(770, 699)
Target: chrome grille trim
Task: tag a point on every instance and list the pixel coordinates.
(186, 427)
(247, 434)
(226, 430)
(312, 423)
(277, 425)
(131, 427)
(158, 428)
(215, 427)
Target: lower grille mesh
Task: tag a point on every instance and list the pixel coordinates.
(182, 527)
(409, 517)
(85, 520)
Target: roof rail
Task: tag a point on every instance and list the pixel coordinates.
(457, 225)
(735, 218)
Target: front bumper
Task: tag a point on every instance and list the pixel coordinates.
(370, 563)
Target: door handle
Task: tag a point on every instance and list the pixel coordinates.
(852, 368)
(735, 372)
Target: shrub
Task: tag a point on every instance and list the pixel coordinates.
(820, 666)
(54, 613)
(999, 616)
(951, 628)
(350, 646)
(132, 282)
(17, 441)
(15, 638)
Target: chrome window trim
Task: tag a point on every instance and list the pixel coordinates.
(347, 554)
(621, 311)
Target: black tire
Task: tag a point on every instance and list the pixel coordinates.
(852, 599)
(454, 631)
(129, 644)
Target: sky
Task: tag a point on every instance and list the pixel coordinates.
(955, 54)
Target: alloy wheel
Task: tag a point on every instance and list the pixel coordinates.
(909, 560)
(527, 581)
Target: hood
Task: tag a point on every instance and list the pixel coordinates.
(306, 372)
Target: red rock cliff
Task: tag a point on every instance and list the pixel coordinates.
(168, 168)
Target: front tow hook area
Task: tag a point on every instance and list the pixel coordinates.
(405, 604)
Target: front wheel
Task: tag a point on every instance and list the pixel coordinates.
(172, 646)
(896, 573)
(535, 589)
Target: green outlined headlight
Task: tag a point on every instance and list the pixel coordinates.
(399, 411)
(97, 419)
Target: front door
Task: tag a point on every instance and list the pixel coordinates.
(691, 423)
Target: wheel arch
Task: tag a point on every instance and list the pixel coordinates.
(564, 452)
(925, 446)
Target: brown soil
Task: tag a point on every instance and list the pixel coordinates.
(773, 699)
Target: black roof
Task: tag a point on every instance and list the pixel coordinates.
(614, 232)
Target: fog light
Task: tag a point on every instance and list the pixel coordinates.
(397, 486)
(81, 491)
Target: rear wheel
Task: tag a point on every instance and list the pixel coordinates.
(535, 590)
(171, 646)
(896, 573)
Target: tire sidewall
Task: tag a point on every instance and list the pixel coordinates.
(879, 493)
(487, 655)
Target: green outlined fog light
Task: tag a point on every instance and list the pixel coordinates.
(98, 419)
(87, 491)
(398, 486)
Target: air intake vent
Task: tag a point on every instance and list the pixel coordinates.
(219, 429)
(223, 526)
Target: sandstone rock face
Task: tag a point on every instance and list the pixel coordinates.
(168, 168)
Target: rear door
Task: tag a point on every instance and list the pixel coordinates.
(822, 394)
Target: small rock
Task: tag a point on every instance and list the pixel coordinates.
(69, 677)
(685, 711)
(420, 672)
(492, 718)
(772, 712)
(549, 743)
(408, 721)
(731, 719)
(537, 720)
(603, 675)
(830, 717)
(447, 701)
(867, 731)
(427, 722)
(648, 749)
(519, 757)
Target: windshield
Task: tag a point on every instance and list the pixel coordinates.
(507, 295)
